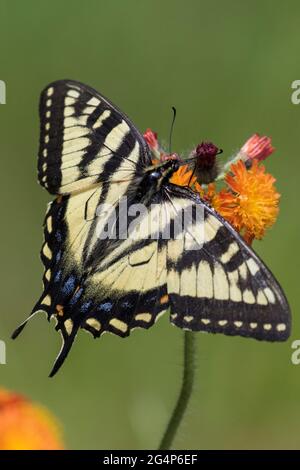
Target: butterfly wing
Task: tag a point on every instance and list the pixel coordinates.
(85, 139)
(222, 287)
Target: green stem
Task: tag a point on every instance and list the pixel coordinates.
(185, 392)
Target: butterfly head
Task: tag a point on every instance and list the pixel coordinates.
(164, 171)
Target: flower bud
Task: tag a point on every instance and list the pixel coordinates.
(206, 167)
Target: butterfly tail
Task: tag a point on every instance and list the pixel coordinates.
(63, 353)
(21, 327)
(68, 324)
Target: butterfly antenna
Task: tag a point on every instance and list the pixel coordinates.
(171, 129)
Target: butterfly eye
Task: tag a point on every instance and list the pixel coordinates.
(153, 177)
(175, 165)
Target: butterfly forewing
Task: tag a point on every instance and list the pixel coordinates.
(85, 140)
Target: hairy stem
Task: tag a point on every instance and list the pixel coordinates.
(185, 392)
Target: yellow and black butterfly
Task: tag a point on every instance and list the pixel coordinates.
(92, 155)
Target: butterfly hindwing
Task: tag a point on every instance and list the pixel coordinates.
(84, 140)
(223, 287)
(122, 289)
(126, 292)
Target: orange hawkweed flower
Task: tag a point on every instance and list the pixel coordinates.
(183, 176)
(151, 138)
(25, 425)
(256, 147)
(208, 193)
(251, 201)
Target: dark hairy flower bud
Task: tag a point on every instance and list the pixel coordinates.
(206, 167)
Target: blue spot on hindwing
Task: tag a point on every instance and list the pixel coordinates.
(58, 236)
(76, 296)
(85, 306)
(69, 285)
(57, 277)
(127, 304)
(106, 307)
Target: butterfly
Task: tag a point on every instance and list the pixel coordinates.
(91, 155)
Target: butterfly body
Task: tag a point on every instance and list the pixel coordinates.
(108, 270)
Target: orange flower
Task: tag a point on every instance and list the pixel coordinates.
(251, 201)
(183, 177)
(25, 425)
(208, 193)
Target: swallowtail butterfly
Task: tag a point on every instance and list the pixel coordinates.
(90, 154)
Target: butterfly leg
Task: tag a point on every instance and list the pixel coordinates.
(191, 177)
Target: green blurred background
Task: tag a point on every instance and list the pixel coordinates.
(228, 67)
